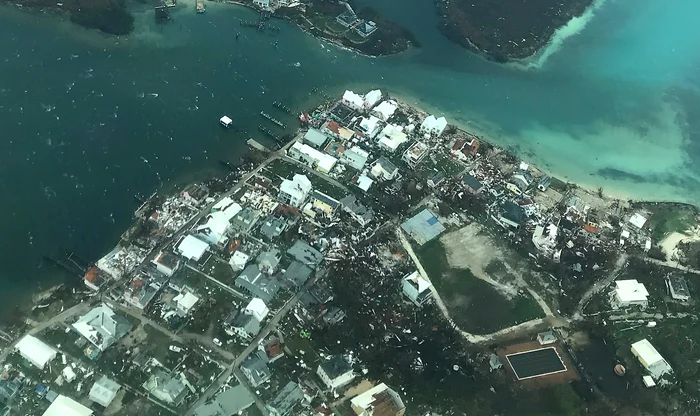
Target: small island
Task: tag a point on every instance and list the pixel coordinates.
(363, 30)
(504, 31)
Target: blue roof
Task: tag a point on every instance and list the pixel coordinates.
(432, 221)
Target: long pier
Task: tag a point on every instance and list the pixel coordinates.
(274, 120)
(282, 107)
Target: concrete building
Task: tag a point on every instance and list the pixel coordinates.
(379, 400)
(371, 99)
(286, 400)
(257, 308)
(215, 230)
(383, 169)
(357, 211)
(336, 371)
(192, 248)
(257, 283)
(96, 279)
(294, 192)
(415, 154)
(273, 227)
(652, 361)
(423, 227)
(255, 369)
(304, 253)
(385, 110)
(245, 220)
(104, 391)
(471, 184)
(366, 28)
(168, 388)
(245, 326)
(391, 137)
(184, 302)
(546, 338)
(630, 293)
(315, 138)
(354, 157)
(65, 406)
(347, 19)
(102, 327)
(166, 263)
(238, 260)
(268, 261)
(323, 203)
(35, 351)
(369, 126)
(433, 126)
(297, 274)
(416, 288)
(353, 101)
(229, 402)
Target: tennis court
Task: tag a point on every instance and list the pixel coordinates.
(536, 363)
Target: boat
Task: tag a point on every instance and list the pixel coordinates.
(620, 370)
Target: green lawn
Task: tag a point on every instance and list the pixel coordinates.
(474, 304)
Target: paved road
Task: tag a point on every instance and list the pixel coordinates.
(600, 285)
(222, 285)
(250, 348)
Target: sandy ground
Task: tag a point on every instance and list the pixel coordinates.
(470, 248)
(670, 244)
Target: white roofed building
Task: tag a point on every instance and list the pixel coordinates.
(415, 154)
(257, 308)
(354, 157)
(369, 126)
(433, 126)
(652, 361)
(184, 302)
(104, 391)
(35, 351)
(65, 406)
(380, 398)
(392, 137)
(192, 248)
(294, 192)
(215, 230)
(320, 161)
(371, 99)
(102, 326)
(385, 110)
(416, 288)
(238, 260)
(629, 293)
(354, 101)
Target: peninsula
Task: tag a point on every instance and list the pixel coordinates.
(506, 30)
(380, 256)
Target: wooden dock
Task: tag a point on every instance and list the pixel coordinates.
(256, 145)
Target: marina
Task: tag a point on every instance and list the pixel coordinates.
(282, 107)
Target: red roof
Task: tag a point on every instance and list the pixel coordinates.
(333, 126)
(458, 144)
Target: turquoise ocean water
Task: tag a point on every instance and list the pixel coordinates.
(88, 121)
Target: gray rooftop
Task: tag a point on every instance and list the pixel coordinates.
(245, 220)
(471, 182)
(269, 260)
(386, 164)
(336, 366)
(297, 273)
(273, 227)
(333, 203)
(306, 254)
(351, 204)
(227, 403)
(315, 138)
(423, 227)
(288, 398)
(257, 283)
(257, 368)
(247, 322)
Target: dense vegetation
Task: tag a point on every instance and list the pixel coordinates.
(506, 29)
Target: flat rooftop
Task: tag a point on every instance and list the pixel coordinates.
(536, 363)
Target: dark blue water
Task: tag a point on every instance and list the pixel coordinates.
(88, 121)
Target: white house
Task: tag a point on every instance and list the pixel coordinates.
(322, 162)
(65, 406)
(384, 169)
(102, 326)
(354, 101)
(192, 248)
(166, 263)
(104, 391)
(336, 371)
(385, 110)
(416, 288)
(652, 361)
(630, 292)
(184, 302)
(215, 230)
(294, 192)
(380, 396)
(354, 157)
(35, 351)
(392, 137)
(257, 308)
(238, 260)
(370, 126)
(433, 126)
(371, 98)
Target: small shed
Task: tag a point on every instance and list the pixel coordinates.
(226, 121)
(546, 338)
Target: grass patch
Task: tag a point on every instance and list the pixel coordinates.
(474, 304)
(670, 218)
